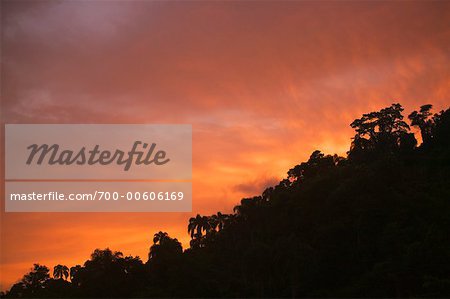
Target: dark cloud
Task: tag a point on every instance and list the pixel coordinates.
(256, 186)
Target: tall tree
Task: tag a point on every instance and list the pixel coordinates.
(423, 120)
(60, 272)
(198, 225)
(381, 131)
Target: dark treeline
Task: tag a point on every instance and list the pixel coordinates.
(373, 224)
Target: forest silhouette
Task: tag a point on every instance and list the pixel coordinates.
(373, 224)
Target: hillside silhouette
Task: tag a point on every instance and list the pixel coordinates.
(373, 224)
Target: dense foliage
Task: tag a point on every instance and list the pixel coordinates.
(374, 224)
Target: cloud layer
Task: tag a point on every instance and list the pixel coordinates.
(263, 84)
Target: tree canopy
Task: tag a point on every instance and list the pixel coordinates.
(373, 224)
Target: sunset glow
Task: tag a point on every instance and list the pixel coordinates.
(262, 83)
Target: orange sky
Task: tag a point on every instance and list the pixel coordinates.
(263, 84)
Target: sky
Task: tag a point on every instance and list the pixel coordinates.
(263, 84)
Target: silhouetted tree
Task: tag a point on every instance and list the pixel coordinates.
(422, 119)
(164, 246)
(379, 133)
(60, 272)
(375, 224)
(32, 284)
(198, 224)
(73, 273)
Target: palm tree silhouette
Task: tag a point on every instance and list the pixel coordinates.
(160, 237)
(220, 220)
(198, 224)
(60, 272)
(74, 270)
(164, 245)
